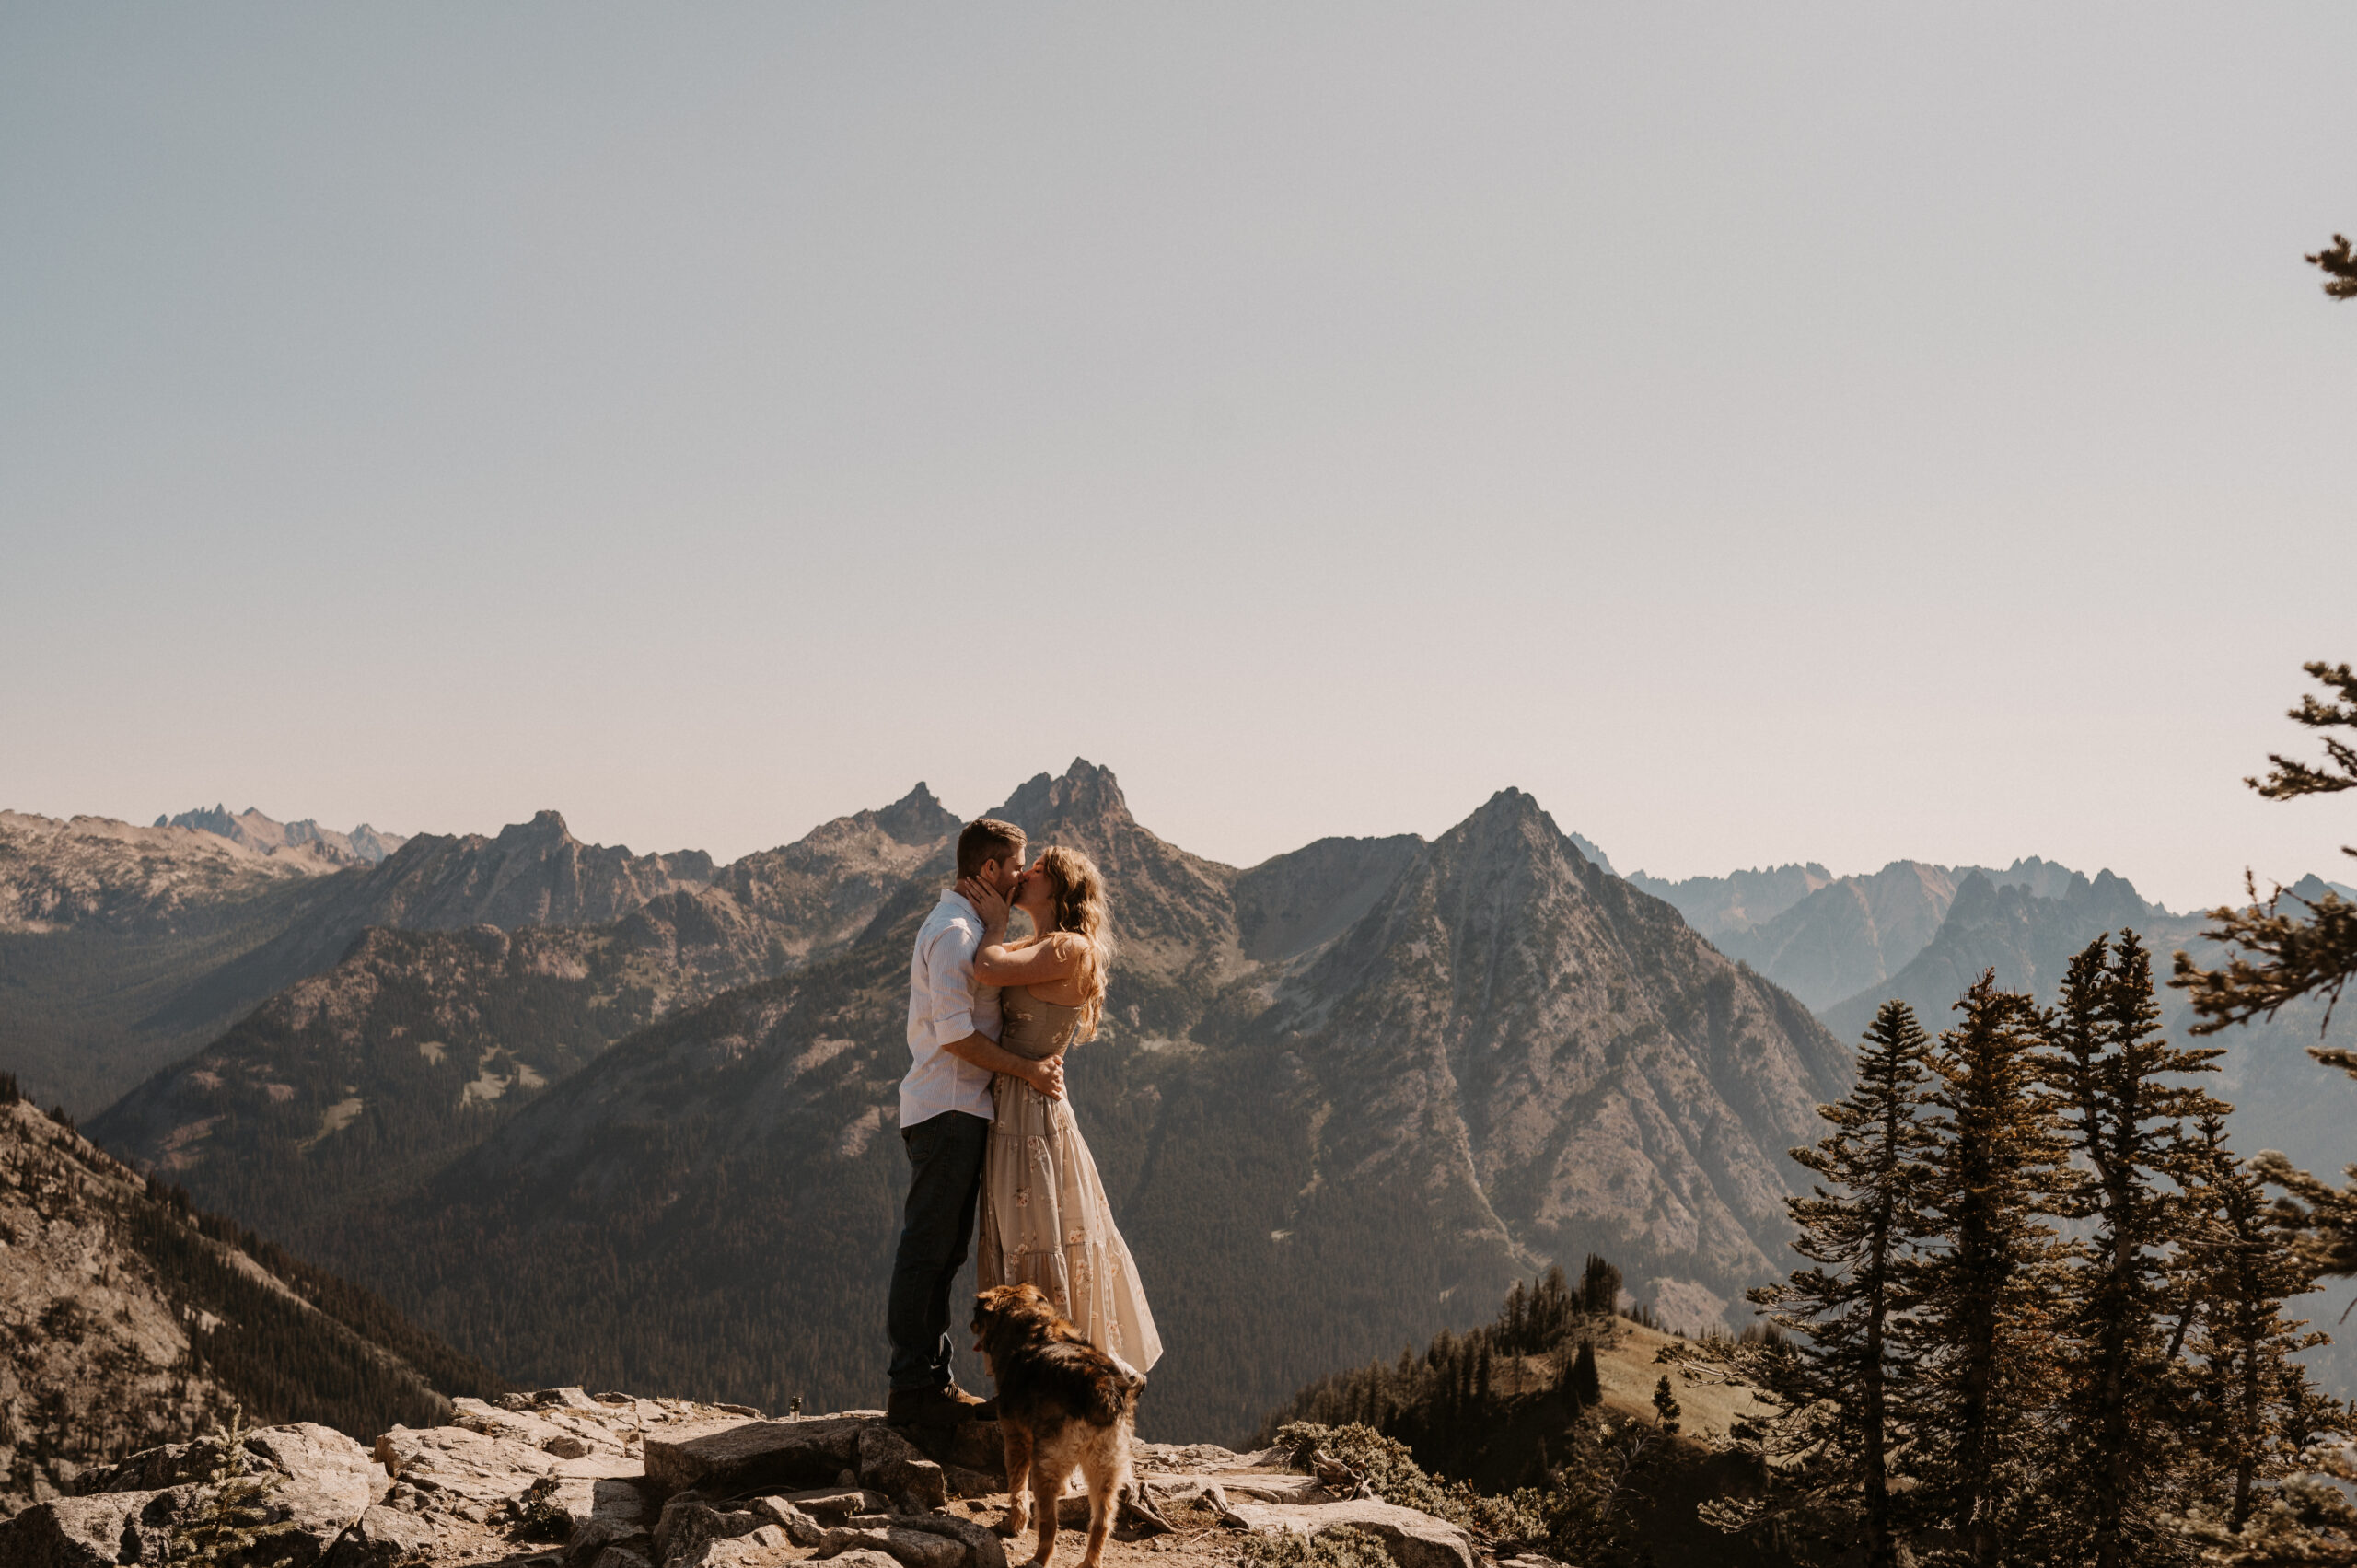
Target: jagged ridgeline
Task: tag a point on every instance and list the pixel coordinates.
(130, 1319)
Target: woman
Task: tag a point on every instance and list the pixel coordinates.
(1045, 1220)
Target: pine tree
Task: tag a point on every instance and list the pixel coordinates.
(1586, 1387)
(1858, 1229)
(2338, 266)
(2124, 1122)
(1550, 1310)
(1599, 1287)
(2257, 1409)
(1665, 1409)
(1986, 1301)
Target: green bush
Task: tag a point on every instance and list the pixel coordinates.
(1342, 1547)
(1392, 1474)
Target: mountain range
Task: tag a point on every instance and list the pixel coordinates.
(364, 846)
(620, 1119)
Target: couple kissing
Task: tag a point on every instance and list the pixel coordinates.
(986, 1124)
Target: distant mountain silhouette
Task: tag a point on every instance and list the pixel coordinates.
(364, 846)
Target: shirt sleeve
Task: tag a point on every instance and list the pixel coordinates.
(949, 982)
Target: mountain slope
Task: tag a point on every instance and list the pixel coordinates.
(1559, 1063)
(129, 1320)
(1501, 1055)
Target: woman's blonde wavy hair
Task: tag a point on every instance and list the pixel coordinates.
(1078, 906)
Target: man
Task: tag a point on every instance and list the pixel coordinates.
(945, 1122)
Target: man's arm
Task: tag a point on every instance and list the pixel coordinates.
(1048, 1077)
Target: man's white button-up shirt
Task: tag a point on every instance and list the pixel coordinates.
(946, 1005)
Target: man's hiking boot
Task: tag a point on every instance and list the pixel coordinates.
(943, 1406)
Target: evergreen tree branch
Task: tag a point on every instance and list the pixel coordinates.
(2339, 268)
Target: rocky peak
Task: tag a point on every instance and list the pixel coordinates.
(917, 818)
(1085, 796)
(546, 826)
(2311, 889)
(1173, 913)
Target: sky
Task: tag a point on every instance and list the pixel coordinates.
(1832, 433)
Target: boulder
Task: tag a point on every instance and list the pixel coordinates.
(595, 1534)
(765, 1548)
(891, 1464)
(969, 1445)
(800, 1528)
(378, 1538)
(564, 1398)
(689, 1522)
(755, 1456)
(1414, 1540)
(964, 1482)
(619, 1497)
(907, 1547)
(619, 1557)
(985, 1548)
(326, 1481)
(836, 1501)
(152, 1469)
(863, 1557)
(95, 1532)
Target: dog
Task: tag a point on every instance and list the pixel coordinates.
(1063, 1404)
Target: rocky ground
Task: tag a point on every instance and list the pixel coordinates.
(562, 1478)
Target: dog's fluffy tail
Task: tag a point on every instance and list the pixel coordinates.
(1116, 1401)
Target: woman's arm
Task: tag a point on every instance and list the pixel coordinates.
(1033, 963)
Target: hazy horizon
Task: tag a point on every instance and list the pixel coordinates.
(1835, 435)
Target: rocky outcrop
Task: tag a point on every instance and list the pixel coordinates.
(616, 1481)
(303, 1487)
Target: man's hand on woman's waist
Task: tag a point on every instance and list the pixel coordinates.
(1048, 1076)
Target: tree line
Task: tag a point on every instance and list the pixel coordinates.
(2042, 1320)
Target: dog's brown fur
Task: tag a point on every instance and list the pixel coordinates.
(1061, 1403)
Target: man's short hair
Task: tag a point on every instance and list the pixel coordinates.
(986, 840)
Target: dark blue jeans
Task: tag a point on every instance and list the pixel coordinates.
(944, 1185)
